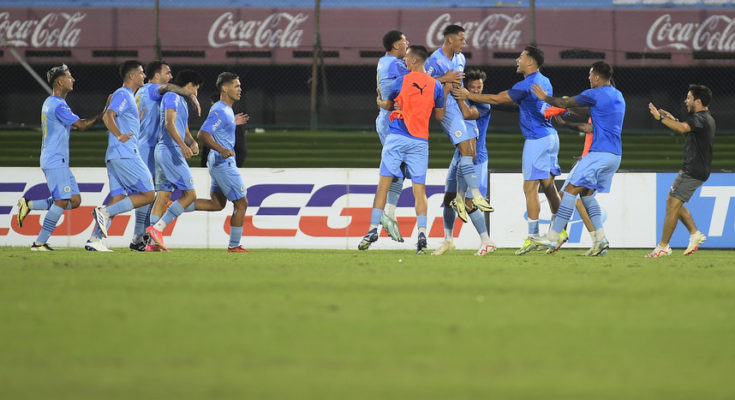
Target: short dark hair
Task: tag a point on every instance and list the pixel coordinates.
(535, 53)
(419, 51)
(474, 74)
(188, 76)
(154, 67)
(390, 38)
(701, 92)
(56, 72)
(128, 66)
(603, 70)
(452, 30)
(225, 78)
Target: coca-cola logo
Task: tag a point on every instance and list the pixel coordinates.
(496, 31)
(276, 30)
(53, 30)
(716, 33)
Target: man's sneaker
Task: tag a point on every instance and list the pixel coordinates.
(391, 226)
(41, 247)
(600, 248)
(421, 244)
(544, 241)
(659, 252)
(101, 218)
(445, 247)
(367, 240)
(588, 253)
(156, 237)
(139, 246)
(482, 204)
(486, 249)
(460, 208)
(563, 238)
(23, 211)
(237, 249)
(528, 246)
(96, 245)
(694, 242)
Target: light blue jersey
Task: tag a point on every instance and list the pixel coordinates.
(482, 124)
(607, 109)
(56, 121)
(128, 121)
(148, 100)
(534, 124)
(389, 69)
(453, 124)
(220, 124)
(173, 101)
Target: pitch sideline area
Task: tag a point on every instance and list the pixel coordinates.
(364, 325)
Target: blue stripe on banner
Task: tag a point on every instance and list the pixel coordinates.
(12, 186)
(278, 211)
(5, 209)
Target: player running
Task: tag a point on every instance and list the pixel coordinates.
(56, 122)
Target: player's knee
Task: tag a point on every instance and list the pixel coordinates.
(148, 197)
(240, 204)
(76, 201)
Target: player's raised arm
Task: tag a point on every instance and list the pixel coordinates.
(669, 120)
(500, 98)
(170, 87)
(563, 102)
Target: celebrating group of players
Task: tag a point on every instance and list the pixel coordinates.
(412, 84)
(148, 137)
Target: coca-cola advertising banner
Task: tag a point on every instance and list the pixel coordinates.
(353, 36)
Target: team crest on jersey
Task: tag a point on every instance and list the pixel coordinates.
(242, 188)
(67, 189)
(191, 180)
(458, 133)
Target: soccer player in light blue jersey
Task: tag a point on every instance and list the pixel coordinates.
(148, 98)
(477, 118)
(56, 122)
(218, 133)
(541, 146)
(131, 184)
(595, 171)
(447, 65)
(390, 67)
(175, 145)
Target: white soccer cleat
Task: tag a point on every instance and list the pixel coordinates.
(694, 242)
(528, 246)
(391, 226)
(96, 245)
(659, 252)
(101, 217)
(445, 247)
(563, 238)
(486, 249)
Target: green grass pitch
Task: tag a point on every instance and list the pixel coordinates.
(320, 324)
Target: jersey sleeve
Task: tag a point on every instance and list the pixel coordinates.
(696, 123)
(586, 98)
(395, 88)
(65, 115)
(438, 95)
(396, 69)
(482, 108)
(170, 101)
(117, 102)
(213, 121)
(153, 92)
(433, 68)
(518, 92)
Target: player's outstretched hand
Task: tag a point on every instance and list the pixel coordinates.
(654, 111)
(460, 93)
(241, 119)
(539, 92)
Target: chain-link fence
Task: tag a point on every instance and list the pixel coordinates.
(279, 96)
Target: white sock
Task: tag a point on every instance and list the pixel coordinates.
(390, 210)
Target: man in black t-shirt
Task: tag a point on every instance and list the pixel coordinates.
(699, 132)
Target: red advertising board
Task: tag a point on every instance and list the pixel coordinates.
(353, 36)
